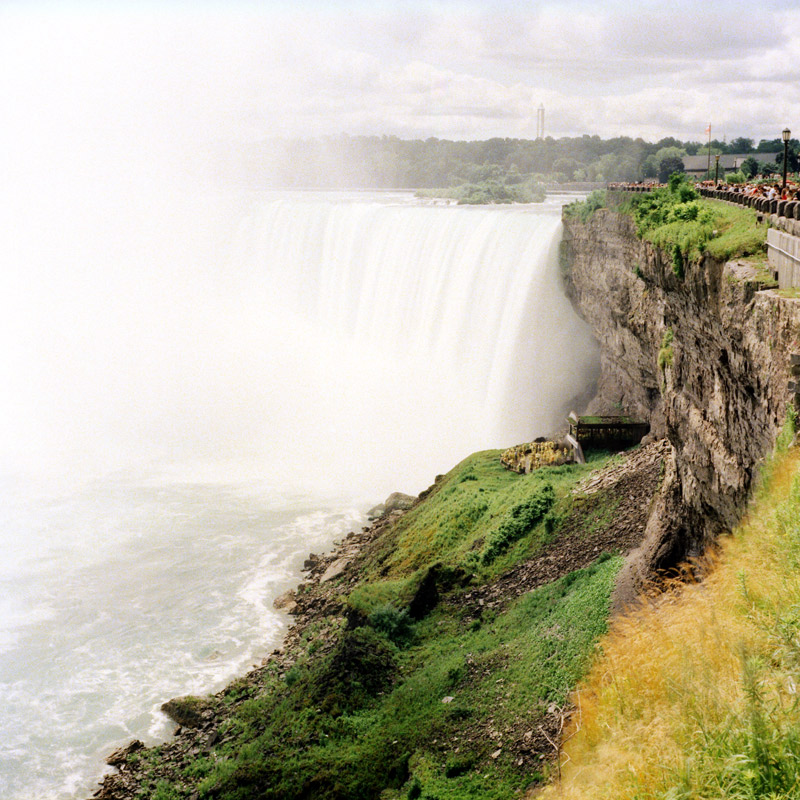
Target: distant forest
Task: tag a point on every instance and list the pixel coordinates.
(388, 162)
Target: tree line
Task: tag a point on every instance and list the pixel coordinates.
(389, 162)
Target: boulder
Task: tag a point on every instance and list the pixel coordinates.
(311, 561)
(525, 458)
(285, 602)
(120, 755)
(335, 569)
(397, 501)
(189, 711)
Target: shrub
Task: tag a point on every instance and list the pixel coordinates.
(395, 625)
(665, 354)
(677, 260)
(675, 217)
(583, 210)
(362, 665)
(521, 519)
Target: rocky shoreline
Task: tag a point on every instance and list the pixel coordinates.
(316, 599)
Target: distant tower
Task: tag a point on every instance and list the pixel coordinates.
(540, 122)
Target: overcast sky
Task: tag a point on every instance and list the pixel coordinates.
(117, 75)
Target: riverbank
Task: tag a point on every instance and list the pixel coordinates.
(424, 655)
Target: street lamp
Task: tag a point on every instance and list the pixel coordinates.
(716, 170)
(786, 133)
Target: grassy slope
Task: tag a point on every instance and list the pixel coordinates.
(696, 696)
(368, 718)
(726, 232)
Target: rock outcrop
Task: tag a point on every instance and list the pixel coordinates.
(525, 458)
(704, 358)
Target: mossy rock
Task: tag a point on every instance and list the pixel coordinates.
(189, 711)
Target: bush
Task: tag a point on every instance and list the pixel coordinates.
(675, 218)
(521, 519)
(677, 260)
(362, 665)
(583, 210)
(665, 354)
(395, 625)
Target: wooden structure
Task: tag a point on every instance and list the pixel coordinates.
(604, 432)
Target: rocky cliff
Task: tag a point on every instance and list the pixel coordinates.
(704, 357)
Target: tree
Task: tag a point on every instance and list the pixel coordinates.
(792, 158)
(750, 166)
(769, 146)
(668, 166)
(741, 145)
(769, 169)
(650, 167)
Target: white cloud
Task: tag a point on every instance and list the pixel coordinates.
(153, 78)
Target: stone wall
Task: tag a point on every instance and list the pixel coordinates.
(705, 359)
(784, 257)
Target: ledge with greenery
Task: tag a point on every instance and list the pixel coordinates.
(680, 222)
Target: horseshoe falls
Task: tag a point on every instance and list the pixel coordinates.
(196, 392)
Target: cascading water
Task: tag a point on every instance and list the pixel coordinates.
(444, 327)
(190, 410)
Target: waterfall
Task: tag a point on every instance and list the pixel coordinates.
(426, 332)
(319, 339)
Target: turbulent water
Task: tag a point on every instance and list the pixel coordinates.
(195, 399)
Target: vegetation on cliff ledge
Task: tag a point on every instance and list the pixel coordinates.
(583, 210)
(696, 695)
(680, 222)
(677, 220)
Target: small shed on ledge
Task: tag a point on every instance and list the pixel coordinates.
(604, 432)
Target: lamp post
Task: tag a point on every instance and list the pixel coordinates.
(716, 170)
(785, 134)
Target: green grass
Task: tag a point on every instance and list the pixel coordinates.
(364, 717)
(471, 507)
(511, 667)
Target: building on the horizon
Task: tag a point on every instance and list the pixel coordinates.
(540, 121)
(697, 166)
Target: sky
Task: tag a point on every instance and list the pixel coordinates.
(95, 78)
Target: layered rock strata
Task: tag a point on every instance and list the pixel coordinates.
(704, 358)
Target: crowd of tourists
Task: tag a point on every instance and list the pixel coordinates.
(771, 191)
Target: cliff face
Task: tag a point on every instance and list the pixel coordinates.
(705, 358)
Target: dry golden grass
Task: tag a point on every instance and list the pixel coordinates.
(693, 695)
